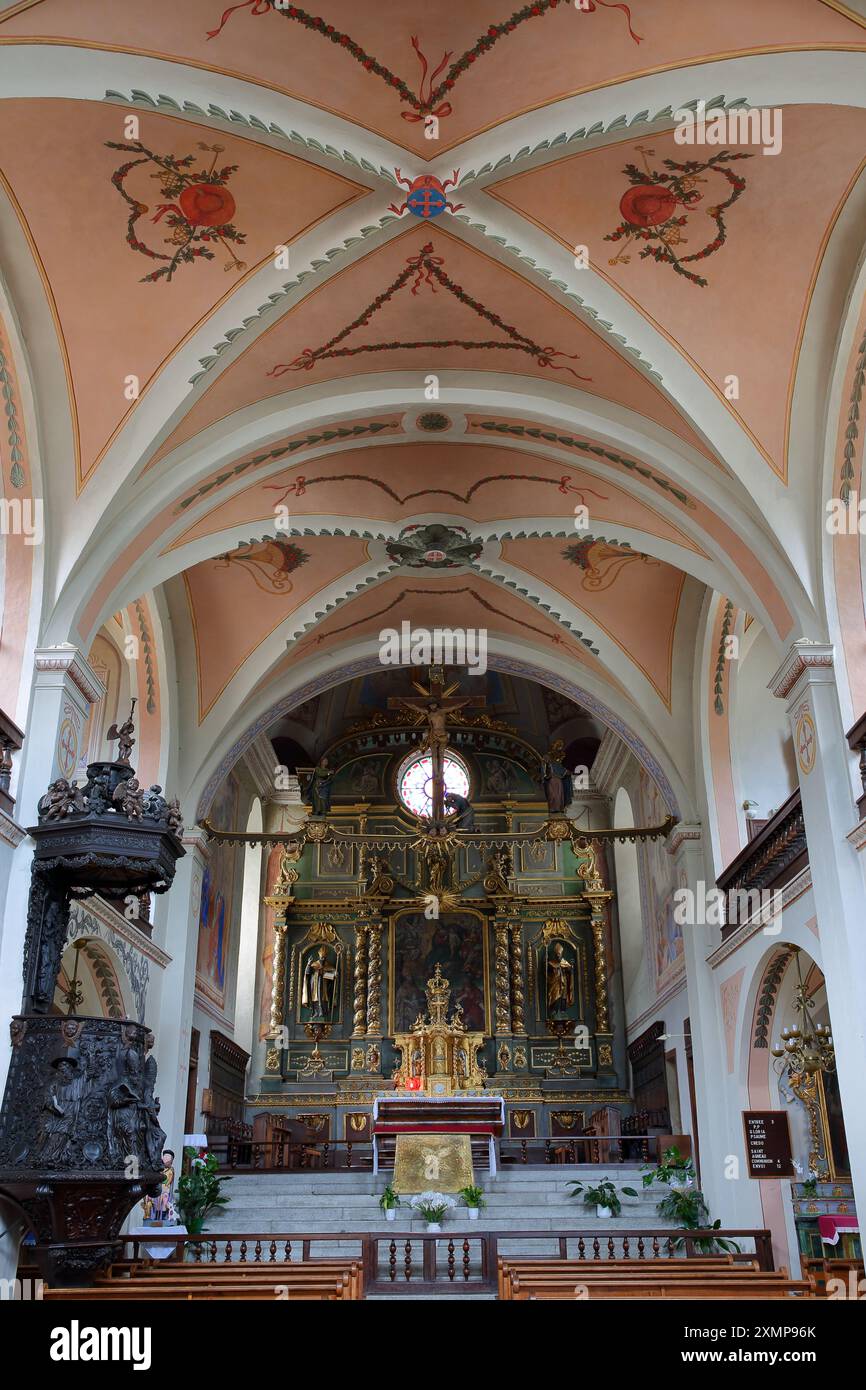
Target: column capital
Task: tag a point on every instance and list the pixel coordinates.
(196, 841)
(807, 662)
(71, 664)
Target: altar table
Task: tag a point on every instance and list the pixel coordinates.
(420, 1114)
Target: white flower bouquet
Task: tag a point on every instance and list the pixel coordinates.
(432, 1205)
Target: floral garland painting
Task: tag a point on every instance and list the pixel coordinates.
(431, 99)
(426, 270)
(651, 213)
(195, 207)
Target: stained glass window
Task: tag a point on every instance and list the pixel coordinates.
(414, 782)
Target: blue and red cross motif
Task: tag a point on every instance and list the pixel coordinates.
(426, 197)
(426, 202)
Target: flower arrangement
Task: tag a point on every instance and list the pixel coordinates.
(432, 1205)
(199, 1191)
(602, 1194)
(673, 1169)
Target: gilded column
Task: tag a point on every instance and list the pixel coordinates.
(518, 1021)
(602, 1024)
(359, 1024)
(501, 976)
(374, 979)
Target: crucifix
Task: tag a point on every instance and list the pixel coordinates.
(432, 705)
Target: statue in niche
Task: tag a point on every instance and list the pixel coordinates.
(560, 982)
(317, 792)
(319, 984)
(60, 1111)
(556, 779)
(463, 817)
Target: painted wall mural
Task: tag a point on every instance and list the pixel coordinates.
(217, 901)
(195, 207)
(424, 270)
(658, 883)
(649, 209)
(430, 100)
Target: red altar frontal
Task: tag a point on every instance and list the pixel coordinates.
(420, 1114)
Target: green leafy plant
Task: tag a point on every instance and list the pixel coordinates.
(389, 1199)
(810, 1187)
(673, 1168)
(473, 1196)
(199, 1192)
(601, 1194)
(689, 1212)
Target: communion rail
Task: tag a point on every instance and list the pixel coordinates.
(356, 1156)
(394, 1260)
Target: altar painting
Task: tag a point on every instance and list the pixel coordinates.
(456, 942)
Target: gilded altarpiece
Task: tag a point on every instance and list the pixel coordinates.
(522, 936)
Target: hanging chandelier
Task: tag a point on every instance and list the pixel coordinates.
(804, 1051)
(807, 1047)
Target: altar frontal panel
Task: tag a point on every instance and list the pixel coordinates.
(441, 1162)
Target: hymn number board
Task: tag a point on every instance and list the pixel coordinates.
(768, 1144)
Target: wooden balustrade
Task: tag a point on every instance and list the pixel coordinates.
(769, 861)
(393, 1259)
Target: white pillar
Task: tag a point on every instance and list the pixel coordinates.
(172, 1029)
(718, 1114)
(64, 688)
(807, 682)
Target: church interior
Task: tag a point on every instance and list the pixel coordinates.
(432, 651)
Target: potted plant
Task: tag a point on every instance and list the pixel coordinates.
(389, 1202)
(687, 1208)
(199, 1191)
(432, 1206)
(602, 1195)
(673, 1169)
(474, 1199)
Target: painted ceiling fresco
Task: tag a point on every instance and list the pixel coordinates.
(303, 283)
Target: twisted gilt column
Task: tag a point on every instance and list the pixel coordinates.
(359, 1023)
(597, 902)
(501, 963)
(518, 1022)
(374, 979)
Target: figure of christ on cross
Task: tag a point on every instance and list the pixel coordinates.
(432, 706)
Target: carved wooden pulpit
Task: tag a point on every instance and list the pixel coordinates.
(438, 1051)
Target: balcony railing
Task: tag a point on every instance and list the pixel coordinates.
(776, 855)
(11, 739)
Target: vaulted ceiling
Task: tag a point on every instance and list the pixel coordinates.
(259, 373)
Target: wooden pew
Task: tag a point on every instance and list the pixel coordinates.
(511, 1264)
(125, 1290)
(324, 1270)
(727, 1282)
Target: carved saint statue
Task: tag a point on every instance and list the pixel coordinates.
(126, 1103)
(318, 788)
(560, 982)
(556, 779)
(463, 817)
(60, 1111)
(317, 991)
